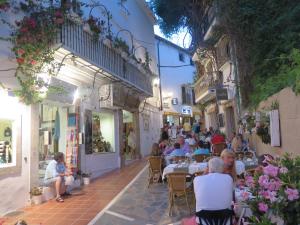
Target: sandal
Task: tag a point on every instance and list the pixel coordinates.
(59, 199)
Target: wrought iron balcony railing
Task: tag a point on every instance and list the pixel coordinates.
(205, 83)
(73, 38)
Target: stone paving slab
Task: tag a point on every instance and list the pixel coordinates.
(145, 206)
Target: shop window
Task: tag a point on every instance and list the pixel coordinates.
(102, 132)
(7, 148)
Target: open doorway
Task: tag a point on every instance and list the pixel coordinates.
(129, 136)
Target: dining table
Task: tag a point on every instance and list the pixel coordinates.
(195, 167)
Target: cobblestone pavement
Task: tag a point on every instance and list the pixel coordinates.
(139, 205)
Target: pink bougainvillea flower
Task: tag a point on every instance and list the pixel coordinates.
(263, 207)
(58, 14)
(267, 159)
(283, 170)
(250, 181)
(292, 194)
(31, 22)
(20, 60)
(271, 170)
(20, 51)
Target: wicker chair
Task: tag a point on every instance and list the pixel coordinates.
(213, 217)
(200, 157)
(177, 186)
(218, 148)
(155, 163)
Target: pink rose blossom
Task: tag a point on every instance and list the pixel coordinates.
(270, 195)
(263, 207)
(274, 185)
(283, 170)
(250, 181)
(292, 194)
(245, 195)
(271, 170)
(263, 181)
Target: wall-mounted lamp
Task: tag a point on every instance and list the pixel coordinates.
(156, 82)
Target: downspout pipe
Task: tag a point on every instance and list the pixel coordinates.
(159, 75)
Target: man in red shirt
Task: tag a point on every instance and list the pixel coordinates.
(218, 138)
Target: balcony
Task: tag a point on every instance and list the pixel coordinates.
(205, 88)
(74, 39)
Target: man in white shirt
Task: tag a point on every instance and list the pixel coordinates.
(213, 191)
(173, 131)
(55, 175)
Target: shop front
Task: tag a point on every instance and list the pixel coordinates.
(58, 132)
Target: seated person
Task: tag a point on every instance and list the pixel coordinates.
(228, 158)
(190, 140)
(55, 175)
(201, 150)
(218, 138)
(236, 143)
(177, 151)
(213, 191)
(183, 145)
(155, 151)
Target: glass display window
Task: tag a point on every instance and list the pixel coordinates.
(11, 134)
(100, 132)
(58, 132)
(7, 145)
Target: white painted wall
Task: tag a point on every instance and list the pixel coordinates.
(150, 135)
(173, 78)
(18, 183)
(139, 22)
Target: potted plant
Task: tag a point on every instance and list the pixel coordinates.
(36, 195)
(86, 177)
(108, 41)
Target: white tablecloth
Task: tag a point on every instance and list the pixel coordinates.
(197, 167)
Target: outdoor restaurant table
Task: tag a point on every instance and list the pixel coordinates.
(197, 167)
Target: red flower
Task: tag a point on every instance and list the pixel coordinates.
(20, 51)
(24, 29)
(20, 60)
(31, 23)
(33, 62)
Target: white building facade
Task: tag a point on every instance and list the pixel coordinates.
(177, 72)
(106, 96)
